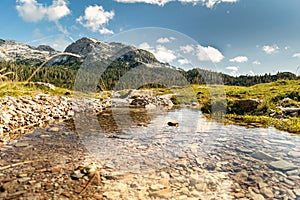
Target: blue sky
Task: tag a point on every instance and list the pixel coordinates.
(239, 36)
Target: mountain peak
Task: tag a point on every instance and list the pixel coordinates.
(100, 50)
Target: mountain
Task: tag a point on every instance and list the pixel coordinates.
(109, 63)
(95, 50)
(12, 51)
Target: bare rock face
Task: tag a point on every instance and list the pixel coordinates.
(45, 48)
(21, 53)
(102, 51)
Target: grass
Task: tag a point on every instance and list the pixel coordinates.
(290, 124)
(17, 89)
(271, 96)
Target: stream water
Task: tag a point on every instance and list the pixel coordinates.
(201, 159)
(263, 162)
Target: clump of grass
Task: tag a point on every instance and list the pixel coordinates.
(290, 124)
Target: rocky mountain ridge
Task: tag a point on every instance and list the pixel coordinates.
(12, 51)
(87, 48)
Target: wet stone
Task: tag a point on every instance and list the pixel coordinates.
(282, 165)
(260, 155)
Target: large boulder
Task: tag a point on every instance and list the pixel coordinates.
(242, 106)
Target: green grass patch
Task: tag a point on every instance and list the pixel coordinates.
(16, 89)
(291, 124)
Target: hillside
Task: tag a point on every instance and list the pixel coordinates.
(110, 62)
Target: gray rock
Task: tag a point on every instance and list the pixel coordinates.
(260, 155)
(282, 165)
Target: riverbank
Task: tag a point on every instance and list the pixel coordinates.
(21, 114)
(275, 104)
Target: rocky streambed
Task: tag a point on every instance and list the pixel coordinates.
(138, 156)
(21, 114)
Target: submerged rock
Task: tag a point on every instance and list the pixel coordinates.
(173, 123)
(282, 165)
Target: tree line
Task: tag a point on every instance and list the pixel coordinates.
(132, 74)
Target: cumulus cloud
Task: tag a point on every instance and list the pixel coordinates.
(239, 59)
(212, 3)
(270, 49)
(183, 61)
(163, 54)
(160, 52)
(203, 53)
(296, 55)
(209, 53)
(187, 49)
(256, 62)
(163, 40)
(32, 11)
(233, 68)
(57, 10)
(145, 46)
(207, 3)
(95, 18)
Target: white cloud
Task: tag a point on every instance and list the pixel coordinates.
(160, 52)
(187, 49)
(212, 3)
(239, 59)
(157, 2)
(105, 31)
(163, 54)
(203, 53)
(251, 73)
(270, 49)
(95, 19)
(183, 61)
(256, 62)
(163, 40)
(57, 10)
(32, 11)
(233, 68)
(296, 55)
(145, 46)
(209, 53)
(207, 3)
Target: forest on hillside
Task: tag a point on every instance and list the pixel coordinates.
(116, 75)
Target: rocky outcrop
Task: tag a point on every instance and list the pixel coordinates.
(21, 53)
(45, 48)
(145, 101)
(290, 111)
